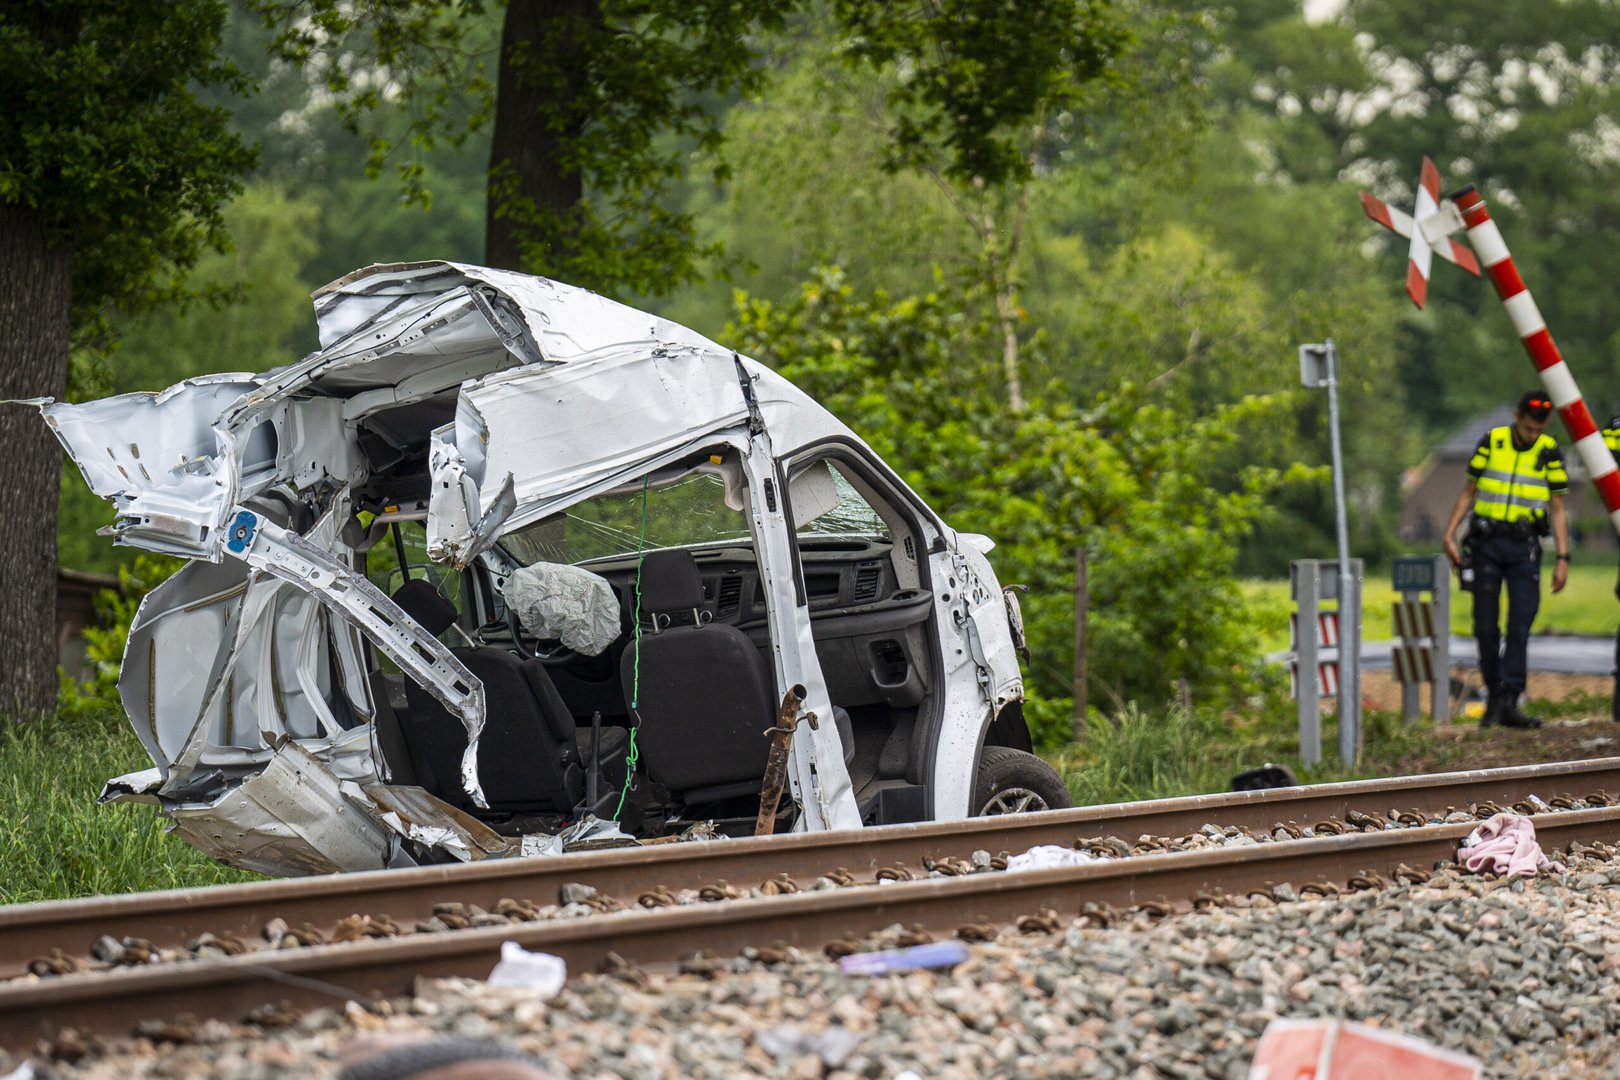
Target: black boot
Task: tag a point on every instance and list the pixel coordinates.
(1493, 711)
(1510, 716)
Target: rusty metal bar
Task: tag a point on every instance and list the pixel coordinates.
(776, 763)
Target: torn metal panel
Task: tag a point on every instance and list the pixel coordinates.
(290, 818)
(158, 459)
(562, 322)
(990, 633)
(266, 546)
(459, 528)
(569, 428)
(422, 819)
(817, 775)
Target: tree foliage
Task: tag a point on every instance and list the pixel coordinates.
(110, 187)
(1514, 98)
(595, 109)
(975, 76)
(108, 145)
(1159, 502)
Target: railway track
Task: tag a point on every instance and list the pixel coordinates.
(231, 987)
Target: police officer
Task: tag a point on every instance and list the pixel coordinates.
(1516, 484)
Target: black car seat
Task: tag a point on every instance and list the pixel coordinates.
(705, 696)
(528, 757)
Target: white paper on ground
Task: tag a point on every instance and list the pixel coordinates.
(1043, 856)
(538, 971)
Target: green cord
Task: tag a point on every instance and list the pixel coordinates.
(635, 663)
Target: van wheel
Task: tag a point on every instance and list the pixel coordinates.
(1013, 782)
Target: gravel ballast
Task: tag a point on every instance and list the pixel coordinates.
(1520, 973)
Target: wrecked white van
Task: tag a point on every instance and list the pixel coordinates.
(504, 557)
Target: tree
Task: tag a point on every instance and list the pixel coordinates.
(594, 108)
(111, 186)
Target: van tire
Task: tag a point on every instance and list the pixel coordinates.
(1013, 782)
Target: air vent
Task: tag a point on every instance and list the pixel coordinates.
(911, 549)
(730, 591)
(868, 578)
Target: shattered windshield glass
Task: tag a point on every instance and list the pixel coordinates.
(687, 513)
(852, 516)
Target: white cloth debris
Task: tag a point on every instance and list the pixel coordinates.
(1505, 844)
(537, 971)
(558, 602)
(1044, 856)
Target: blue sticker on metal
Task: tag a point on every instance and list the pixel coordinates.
(242, 530)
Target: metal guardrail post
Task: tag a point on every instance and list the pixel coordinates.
(1307, 584)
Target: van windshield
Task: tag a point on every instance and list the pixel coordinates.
(690, 512)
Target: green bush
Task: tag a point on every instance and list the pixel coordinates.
(1159, 499)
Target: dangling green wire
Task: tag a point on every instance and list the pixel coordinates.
(635, 660)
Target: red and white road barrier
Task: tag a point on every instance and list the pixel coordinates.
(1532, 330)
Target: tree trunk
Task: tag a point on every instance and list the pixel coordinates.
(542, 105)
(35, 303)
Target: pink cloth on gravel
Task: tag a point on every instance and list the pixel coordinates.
(1506, 845)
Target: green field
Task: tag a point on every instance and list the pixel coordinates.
(1586, 606)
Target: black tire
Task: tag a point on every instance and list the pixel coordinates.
(1013, 782)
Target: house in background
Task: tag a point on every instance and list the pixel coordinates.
(1432, 487)
(76, 592)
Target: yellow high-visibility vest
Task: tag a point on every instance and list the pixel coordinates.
(1513, 484)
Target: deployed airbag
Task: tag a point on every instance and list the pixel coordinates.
(555, 601)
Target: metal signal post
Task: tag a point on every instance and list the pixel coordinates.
(1319, 368)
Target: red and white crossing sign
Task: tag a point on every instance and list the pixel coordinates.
(1327, 678)
(1327, 630)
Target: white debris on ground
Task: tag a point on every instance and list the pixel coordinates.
(1523, 973)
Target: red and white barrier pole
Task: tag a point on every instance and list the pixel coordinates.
(1532, 330)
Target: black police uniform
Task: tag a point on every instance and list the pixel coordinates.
(1504, 542)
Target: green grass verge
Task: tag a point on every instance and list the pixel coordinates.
(1586, 606)
(56, 842)
(1142, 755)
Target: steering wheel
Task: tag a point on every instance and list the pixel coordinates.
(555, 653)
(516, 630)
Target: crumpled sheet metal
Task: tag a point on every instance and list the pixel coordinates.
(291, 819)
(566, 603)
(416, 815)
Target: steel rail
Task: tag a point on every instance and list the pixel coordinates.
(228, 988)
(172, 918)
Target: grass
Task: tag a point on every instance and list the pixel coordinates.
(1586, 606)
(56, 842)
(1141, 755)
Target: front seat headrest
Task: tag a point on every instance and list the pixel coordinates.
(670, 581)
(426, 605)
